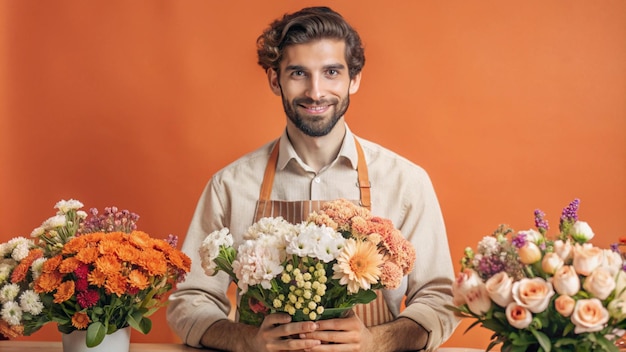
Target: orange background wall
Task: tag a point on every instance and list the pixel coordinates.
(509, 105)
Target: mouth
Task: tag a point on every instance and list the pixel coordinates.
(315, 109)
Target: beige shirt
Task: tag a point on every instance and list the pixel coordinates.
(400, 191)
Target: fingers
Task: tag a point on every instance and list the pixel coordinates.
(278, 333)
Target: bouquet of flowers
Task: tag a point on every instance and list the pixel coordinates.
(313, 270)
(544, 294)
(100, 273)
(20, 306)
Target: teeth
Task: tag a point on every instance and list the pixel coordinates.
(317, 108)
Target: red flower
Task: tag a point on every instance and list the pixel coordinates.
(88, 298)
(257, 306)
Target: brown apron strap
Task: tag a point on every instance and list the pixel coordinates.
(363, 176)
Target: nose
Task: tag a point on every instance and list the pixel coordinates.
(315, 88)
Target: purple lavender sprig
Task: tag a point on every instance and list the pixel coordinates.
(568, 217)
(541, 223)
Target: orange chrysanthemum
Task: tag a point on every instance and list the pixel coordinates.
(128, 253)
(358, 265)
(48, 282)
(391, 275)
(21, 270)
(51, 264)
(140, 239)
(64, 292)
(80, 320)
(137, 279)
(108, 246)
(180, 260)
(88, 255)
(11, 331)
(116, 284)
(96, 278)
(68, 265)
(109, 264)
(74, 245)
(154, 262)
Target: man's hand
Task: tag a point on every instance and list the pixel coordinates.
(343, 334)
(278, 333)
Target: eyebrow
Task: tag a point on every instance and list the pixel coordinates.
(325, 67)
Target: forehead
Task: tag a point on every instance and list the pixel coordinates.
(315, 54)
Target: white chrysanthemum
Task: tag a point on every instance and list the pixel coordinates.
(11, 313)
(488, 246)
(37, 232)
(8, 292)
(65, 206)
(5, 271)
(315, 241)
(37, 267)
(54, 222)
(210, 249)
(256, 263)
(21, 248)
(30, 302)
(81, 214)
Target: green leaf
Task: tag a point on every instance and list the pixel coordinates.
(95, 334)
(138, 322)
(543, 340)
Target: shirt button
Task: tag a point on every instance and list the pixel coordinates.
(317, 180)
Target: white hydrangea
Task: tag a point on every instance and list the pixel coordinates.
(64, 206)
(210, 249)
(258, 262)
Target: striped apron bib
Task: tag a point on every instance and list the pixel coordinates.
(374, 313)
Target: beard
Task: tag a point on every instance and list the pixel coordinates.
(316, 126)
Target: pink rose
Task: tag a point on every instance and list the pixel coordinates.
(499, 288)
(469, 289)
(529, 253)
(533, 294)
(589, 315)
(566, 281)
(600, 283)
(551, 262)
(564, 304)
(518, 316)
(587, 258)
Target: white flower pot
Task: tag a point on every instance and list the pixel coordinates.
(118, 341)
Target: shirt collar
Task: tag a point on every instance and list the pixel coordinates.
(287, 152)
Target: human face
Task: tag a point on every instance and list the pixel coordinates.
(315, 85)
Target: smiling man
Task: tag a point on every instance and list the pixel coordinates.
(313, 60)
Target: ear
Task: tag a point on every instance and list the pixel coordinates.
(272, 79)
(355, 82)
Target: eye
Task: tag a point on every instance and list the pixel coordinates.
(332, 72)
(298, 73)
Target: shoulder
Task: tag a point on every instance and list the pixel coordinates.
(250, 165)
(382, 159)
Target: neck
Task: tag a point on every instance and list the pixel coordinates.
(317, 152)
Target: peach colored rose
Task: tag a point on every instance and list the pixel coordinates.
(518, 316)
(564, 304)
(613, 261)
(566, 281)
(600, 283)
(529, 253)
(464, 281)
(563, 249)
(586, 258)
(533, 294)
(478, 300)
(499, 288)
(551, 262)
(589, 316)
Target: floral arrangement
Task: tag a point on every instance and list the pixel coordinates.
(99, 272)
(316, 269)
(544, 294)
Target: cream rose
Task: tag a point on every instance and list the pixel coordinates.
(563, 249)
(600, 283)
(533, 294)
(499, 288)
(551, 262)
(531, 235)
(518, 316)
(465, 280)
(586, 258)
(581, 231)
(566, 281)
(612, 261)
(529, 253)
(589, 316)
(564, 304)
(478, 300)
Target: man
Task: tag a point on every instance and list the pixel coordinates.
(313, 60)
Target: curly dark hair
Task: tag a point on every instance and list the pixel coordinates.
(304, 26)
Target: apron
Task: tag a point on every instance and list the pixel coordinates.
(373, 313)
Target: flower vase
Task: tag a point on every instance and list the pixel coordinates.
(118, 341)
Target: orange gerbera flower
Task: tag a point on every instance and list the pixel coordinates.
(116, 284)
(64, 292)
(137, 279)
(96, 278)
(88, 255)
(358, 265)
(80, 320)
(51, 264)
(68, 265)
(109, 264)
(48, 282)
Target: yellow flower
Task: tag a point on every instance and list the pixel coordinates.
(358, 265)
